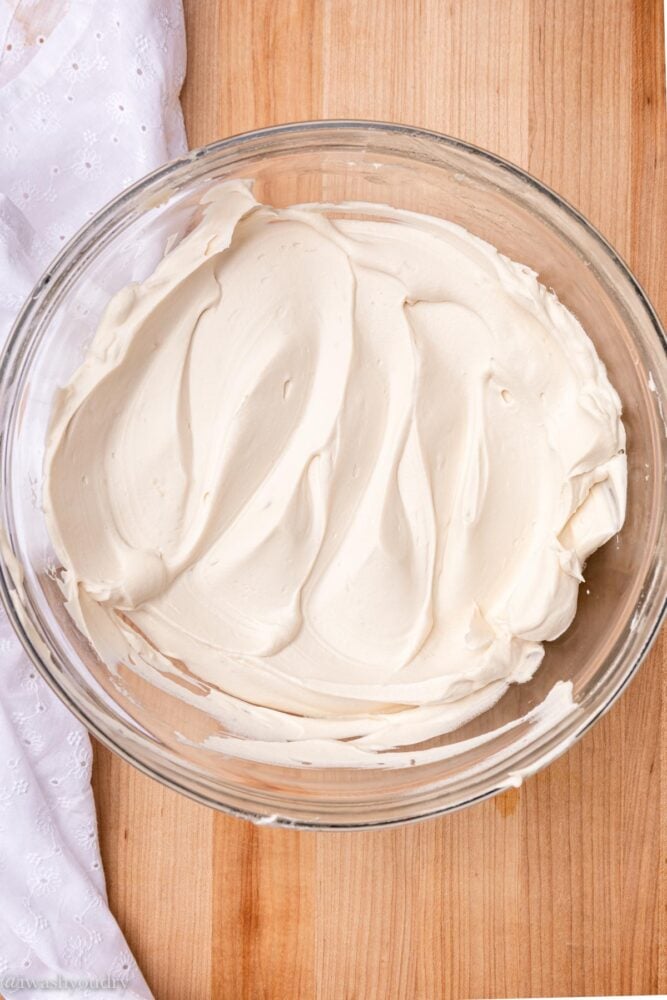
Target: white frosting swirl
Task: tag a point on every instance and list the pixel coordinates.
(345, 470)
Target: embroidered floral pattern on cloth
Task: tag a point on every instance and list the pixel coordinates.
(88, 103)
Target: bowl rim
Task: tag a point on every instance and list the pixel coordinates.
(554, 741)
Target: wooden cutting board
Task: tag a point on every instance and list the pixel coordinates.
(559, 887)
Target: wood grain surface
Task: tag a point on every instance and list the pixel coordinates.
(559, 887)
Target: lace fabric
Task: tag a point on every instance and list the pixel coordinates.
(88, 103)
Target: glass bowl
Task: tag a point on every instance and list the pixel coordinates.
(620, 605)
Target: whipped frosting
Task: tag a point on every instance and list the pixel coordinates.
(341, 468)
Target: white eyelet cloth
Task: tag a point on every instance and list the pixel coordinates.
(88, 103)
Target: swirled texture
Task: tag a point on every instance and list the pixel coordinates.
(344, 470)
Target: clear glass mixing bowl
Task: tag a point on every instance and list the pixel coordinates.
(620, 606)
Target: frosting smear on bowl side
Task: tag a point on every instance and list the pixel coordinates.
(345, 471)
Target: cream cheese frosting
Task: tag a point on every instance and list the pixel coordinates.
(342, 468)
